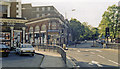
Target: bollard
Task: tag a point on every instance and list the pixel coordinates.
(104, 45)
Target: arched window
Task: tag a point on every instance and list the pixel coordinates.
(43, 28)
(37, 29)
(31, 29)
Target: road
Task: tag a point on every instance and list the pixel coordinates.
(14, 60)
(83, 55)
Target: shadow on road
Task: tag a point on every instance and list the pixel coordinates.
(14, 60)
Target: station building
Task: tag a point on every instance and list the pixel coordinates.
(12, 26)
(45, 25)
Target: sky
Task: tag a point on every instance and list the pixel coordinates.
(90, 11)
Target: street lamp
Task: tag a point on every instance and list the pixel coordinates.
(66, 13)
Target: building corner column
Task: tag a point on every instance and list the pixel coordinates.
(11, 36)
(23, 34)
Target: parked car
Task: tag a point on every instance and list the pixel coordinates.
(25, 49)
(4, 50)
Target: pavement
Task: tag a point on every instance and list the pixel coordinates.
(53, 59)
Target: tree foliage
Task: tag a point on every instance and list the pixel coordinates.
(82, 31)
(110, 19)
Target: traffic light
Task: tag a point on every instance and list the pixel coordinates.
(107, 32)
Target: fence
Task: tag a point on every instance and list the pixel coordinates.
(113, 45)
(54, 48)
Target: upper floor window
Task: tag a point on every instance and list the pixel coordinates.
(48, 8)
(43, 8)
(53, 25)
(43, 15)
(37, 9)
(48, 14)
(37, 15)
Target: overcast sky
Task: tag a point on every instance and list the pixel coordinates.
(86, 10)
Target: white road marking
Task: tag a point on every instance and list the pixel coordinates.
(86, 50)
(91, 63)
(113, 62)
(78, 51)
(97, 63)
(92, 52)
(78, 66)
(101, 56)
(99, 50)
(94, 62)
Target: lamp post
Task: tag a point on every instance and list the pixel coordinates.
(66, 13)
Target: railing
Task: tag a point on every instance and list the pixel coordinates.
(113, 45)
(54, 48)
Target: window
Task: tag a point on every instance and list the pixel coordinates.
(48, 8)
(43, 8)
(37, 9)
(31, 29)
(53, 25)
(37, 29)
(48, 14)
(17, 5)
(43, 28)
(43, 15)
(37, 15)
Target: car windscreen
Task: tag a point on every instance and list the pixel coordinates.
(26, 46)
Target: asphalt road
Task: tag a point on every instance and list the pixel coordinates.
(83, 55)
(14, 60)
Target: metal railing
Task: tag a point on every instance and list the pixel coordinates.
(54, 48)
(113, 45)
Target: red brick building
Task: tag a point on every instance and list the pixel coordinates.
(48, 29)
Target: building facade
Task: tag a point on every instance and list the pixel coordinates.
(30, 12)
(46, 30)
(12, 25)
(45, 26)
(10, 8)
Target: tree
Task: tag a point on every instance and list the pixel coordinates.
(109, 19)
(82, 31)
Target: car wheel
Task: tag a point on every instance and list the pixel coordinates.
(32, 54)
(16, 53)
(6, 55)
(20, 54)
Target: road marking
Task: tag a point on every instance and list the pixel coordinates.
(78, 51)
(113, 62)
(78, 66)
(97, 63)
(99, 50)
(86, 50)
(101, 56)
(91, 63)
(92, 52)
(94, 62)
